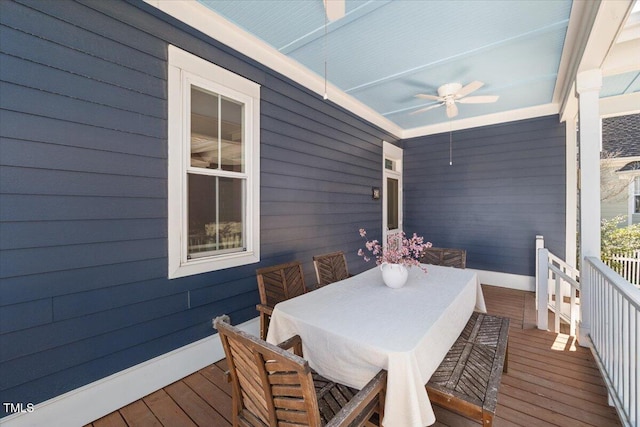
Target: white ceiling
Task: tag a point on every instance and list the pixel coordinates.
(382, 53)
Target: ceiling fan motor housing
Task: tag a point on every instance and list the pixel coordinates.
(449, 89)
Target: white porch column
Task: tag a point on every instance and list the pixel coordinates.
(572, 191)
(588, 84)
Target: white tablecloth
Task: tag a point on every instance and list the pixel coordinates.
(353, 328)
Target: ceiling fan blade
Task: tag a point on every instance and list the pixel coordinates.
(452, 110)
(430, 107)
(478, 99)
(335, 9)
(471, 87)
(432, 97)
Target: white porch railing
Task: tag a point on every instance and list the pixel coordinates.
(626, 265)
(557, 286)
(615, 335)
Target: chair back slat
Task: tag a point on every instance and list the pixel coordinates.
(272, 386)
(294, 279)
(247, 377)
(445, 256)
(280, 282)
(330, 267)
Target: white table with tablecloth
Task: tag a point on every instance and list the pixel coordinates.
(353, 328)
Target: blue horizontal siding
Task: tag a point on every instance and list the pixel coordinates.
(55, 258)
(42, 234)
(39, 103)
(21, 180)
(18, 207)
(40, 23)
(26, 315)
(83, 200)
(506, 185)
(42, 51)
(51, 156)
(26, 128)
(43, 77)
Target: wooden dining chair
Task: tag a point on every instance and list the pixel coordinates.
(330, 268)
(445, 256)
(273, 386)
(275, 284)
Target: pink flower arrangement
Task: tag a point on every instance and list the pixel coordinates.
(400, 249)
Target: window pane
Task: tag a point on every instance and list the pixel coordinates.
(231, 213)
(215, 212)
(204, 128)
(636, 208)
(392, 203)
(232, 137)
(388, 164)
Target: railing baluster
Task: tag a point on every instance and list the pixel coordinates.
(542, 298)
(614, 308)
(614, 336)
(626, 352)
(558, 304)
(627, 265)
(574, 313)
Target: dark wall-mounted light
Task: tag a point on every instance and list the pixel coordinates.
(375, 193)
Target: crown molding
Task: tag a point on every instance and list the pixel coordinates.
(486, 120)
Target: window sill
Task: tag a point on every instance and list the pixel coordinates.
(205, 265)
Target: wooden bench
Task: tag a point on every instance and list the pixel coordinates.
(448, 257)
(467, 380)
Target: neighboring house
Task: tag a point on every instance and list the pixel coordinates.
(620, 168)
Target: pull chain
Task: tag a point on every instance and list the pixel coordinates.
(326, 96)
(450, 145)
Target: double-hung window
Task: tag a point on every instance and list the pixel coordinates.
(213, 167)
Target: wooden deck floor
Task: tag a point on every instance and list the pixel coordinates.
(551, 382)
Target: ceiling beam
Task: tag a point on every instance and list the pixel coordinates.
(620, 105)
(623, 58)
(581, 19)
(609, 22)
(591, 38)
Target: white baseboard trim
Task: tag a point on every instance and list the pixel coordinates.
(92, 401)
(507, 280)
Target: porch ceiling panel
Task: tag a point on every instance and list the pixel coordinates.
(384, 52)
(620, 84)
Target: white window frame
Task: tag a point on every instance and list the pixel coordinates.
(634, 191)
(185, 69)
(393, 153)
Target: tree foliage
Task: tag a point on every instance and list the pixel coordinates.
(616, 239)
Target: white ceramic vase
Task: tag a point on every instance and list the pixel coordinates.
(394, 275)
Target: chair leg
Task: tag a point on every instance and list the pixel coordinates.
(263, 329)
(264, 325)
(505, 367)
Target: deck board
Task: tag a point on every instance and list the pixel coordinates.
(139, 414)
(551, 382)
